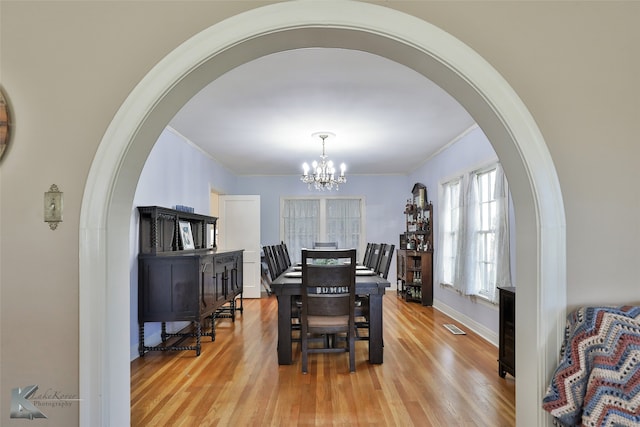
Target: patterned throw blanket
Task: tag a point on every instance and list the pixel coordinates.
(597, 382)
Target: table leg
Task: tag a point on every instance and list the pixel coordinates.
(284, 329)
(375, 329)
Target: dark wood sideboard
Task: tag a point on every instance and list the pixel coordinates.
(507, 333)
(177, 284)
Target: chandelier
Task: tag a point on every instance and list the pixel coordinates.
(323, 174)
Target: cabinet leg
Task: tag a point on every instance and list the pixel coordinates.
(241, 308)
(141, 339)
(213, 327)
(198, 332)
(163, 334)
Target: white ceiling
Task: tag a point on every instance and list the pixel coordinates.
(258, 118)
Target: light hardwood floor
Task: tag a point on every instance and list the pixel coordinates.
(429, 378)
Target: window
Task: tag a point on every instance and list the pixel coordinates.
(309, 220)
(474, 234)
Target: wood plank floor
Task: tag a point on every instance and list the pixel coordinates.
(429, 377)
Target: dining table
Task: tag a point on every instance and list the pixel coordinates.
(289, 285)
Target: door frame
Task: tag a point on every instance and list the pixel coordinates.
(108, 197)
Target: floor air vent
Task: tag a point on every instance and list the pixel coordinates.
(454, 329)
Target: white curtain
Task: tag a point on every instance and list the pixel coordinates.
(451, 216)
(502, 250)
(470, 283)
(301, 225)
(306, 221)
(487, 261)
(343, 222)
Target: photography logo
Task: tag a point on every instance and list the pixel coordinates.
(21, 407)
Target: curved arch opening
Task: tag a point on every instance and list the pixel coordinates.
(108, 198)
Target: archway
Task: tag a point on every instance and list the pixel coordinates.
(107, 202)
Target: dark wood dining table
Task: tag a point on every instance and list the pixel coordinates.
(286, 287)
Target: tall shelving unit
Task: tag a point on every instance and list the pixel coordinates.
(415, 253)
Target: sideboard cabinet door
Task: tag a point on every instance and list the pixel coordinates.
(168, 289)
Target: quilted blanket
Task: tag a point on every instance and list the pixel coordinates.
(597, 382)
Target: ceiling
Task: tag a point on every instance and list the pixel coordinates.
(258, 119)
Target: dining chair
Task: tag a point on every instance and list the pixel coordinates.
(285, 250)
(278, 254)
(385, 260)
(265, 273)
(271, 262)
(374, 258)
(361, 317)
(367, 254)
(328, 302)
(382, 265)
(325, 245)
(276, 269)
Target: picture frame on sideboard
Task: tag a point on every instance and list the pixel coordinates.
(186, 236)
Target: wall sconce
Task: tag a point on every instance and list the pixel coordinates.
(53, 207)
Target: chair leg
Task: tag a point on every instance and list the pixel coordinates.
(352, 352)
(305, 347)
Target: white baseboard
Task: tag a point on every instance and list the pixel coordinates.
(476, 327)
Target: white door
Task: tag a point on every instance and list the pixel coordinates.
(239, 228)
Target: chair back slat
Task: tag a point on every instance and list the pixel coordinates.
(328, 305)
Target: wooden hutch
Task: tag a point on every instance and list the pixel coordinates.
(415, 254)
(182, 276)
